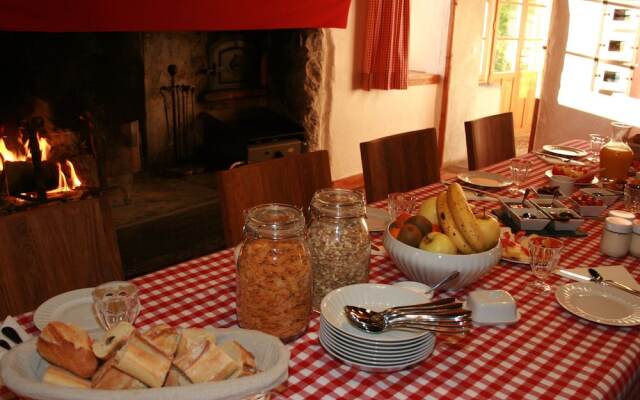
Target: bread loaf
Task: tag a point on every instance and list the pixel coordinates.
(143, 361)
(192, 337)
(176, 378)
(241, 356)
(206, 362)
(111, 378)
(61, 377)
(69, 347)
(113, 340)
(164, 338)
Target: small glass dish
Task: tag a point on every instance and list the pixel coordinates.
(116, 301)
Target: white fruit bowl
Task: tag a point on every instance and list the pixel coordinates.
(427, 267)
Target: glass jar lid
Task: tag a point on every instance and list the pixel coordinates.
(338, 203)
(636, 226)
(274, 220)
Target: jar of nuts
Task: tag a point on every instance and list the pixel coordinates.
(274, 275)
(339, 241)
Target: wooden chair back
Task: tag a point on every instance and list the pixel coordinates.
(399, 163)
(490, 140)
(291, 180)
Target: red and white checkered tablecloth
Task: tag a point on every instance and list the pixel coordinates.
(548, 354)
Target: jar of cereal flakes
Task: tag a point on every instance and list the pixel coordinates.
(339, 241)
(274, 275)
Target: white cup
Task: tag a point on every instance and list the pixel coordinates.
(564, 183)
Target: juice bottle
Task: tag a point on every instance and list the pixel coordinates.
(616, 156)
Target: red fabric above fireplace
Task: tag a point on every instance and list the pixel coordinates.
(170, 15)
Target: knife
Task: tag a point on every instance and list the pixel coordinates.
(596, 277)
(563, 159)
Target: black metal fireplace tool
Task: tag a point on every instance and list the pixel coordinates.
(180, 99)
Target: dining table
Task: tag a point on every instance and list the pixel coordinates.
(548, 354)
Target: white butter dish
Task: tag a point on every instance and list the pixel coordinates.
(492, 307)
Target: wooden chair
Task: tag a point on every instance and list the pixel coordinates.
(399, 163)
(292, 180)
(490, 140)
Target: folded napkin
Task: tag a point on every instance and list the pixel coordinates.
(11, 323)
(616, 273)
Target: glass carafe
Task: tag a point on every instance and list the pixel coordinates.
(616, 156)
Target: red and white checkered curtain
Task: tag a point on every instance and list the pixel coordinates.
(386, 52)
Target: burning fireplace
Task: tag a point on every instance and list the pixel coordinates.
(145, 119)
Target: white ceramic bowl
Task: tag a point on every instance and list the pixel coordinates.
(427, 267)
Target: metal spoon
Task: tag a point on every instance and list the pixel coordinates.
(447, 279)
(597, 278)
(362, 319)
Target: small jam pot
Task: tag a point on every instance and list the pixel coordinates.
(616, 237)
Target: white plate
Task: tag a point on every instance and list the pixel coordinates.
(74, 307)
(362, 345)
(484, 179)
(513, 260)
(601, 304)
(549, 174)
(22, 369)
(373, 358)
(369, 367)
(375, 297)
(377, 219)
(564, 151)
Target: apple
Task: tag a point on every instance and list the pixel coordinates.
(489, 230)
(438, 242)
(429, 211)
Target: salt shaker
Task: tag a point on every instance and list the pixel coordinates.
(616, 237)
(635, 239)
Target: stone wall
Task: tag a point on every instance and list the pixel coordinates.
(293, 87)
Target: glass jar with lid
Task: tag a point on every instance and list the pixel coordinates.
(274, 276)
(339, 241)
(616, 237)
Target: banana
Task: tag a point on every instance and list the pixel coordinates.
(448, 225)
(463, 216)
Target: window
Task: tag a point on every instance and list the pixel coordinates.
(601, 58)
(514, 36)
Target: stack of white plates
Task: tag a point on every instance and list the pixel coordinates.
(388, 351)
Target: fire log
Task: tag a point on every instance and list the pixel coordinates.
(21, 178)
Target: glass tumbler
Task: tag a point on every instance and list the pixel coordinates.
(116, 301)
(399, 203)
(519, 171)
(544, 255)
(632, 196)
(597, 141)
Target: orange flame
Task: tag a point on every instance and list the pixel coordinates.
(23, 153)
(63, 185)
(75, 182)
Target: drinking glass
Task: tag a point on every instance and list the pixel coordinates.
(399, 203)
(597, 141)
(544, 254)
(519, 171)
(632, 198)
(116, 301)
